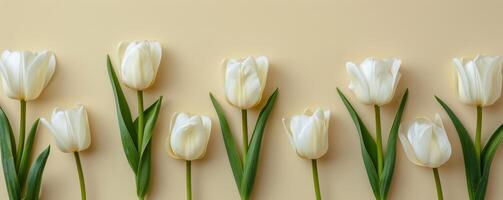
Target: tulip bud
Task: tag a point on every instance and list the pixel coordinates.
(374, 82)
(425, 143)
(25, 74)
(479, 80)
(139, 61)
(70, 128)
(245, 80)
(189, 136)
(308, 133)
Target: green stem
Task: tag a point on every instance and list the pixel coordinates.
(244, 121)
(139, 95)
(188, 178)
(380, 161)
(141, 198)
(316, 179)
(440, 195)
(81, 175)
(22, 131)
(478, 136)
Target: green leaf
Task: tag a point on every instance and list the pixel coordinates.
(143, 174)
(151, 115)
(8, 158)
(35, 176)
(27, 154)
(487, 157)
(127, 130)
(144, 167)
(368, 146)
(472, 166)
(252, 157)
(230, 144)
(390, 156)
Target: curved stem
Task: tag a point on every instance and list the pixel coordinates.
(188, 178)
(244, 121)
(438, 184)
(139, 95)
(22, 131)
(81, 175)
(316, 180)
(478, 136)
(380, 161)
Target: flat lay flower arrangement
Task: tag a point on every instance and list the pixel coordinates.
(374, 82)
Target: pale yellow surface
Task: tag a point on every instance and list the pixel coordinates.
(307, 42)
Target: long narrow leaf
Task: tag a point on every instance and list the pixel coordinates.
(127, 130)
(367, 144)
(35, 175)
(27, 154)
(150, 122)
(230, 144)
(487, 157)
(252, 158)
(8, 161)
(390, 156)
(144, 170)
(144, 167)
(472, 166)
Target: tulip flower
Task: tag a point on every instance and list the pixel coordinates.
(245, 80)
(479, 84)
(479, 80)
(426, 144)
(138, 65)
(188, 140)
(244, 83)
(139, 61)
(70, 128)
(374, 82)
(25, 74)
(308, 134)
(189, 136)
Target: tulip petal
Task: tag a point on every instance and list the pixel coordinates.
(442, 140)
(168, 140)
(358, 84)
(286, 125)
(420, 134)
(155, 53)
(121, 51)
(489, 68)
(38, 73)
(409, 151)
(262, 68)
(464, 89)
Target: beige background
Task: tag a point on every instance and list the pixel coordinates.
(307, 42)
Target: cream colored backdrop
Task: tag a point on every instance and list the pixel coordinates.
(307, 42)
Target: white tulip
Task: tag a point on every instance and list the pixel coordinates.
(374, 82)
(308, 133)
(189, 136)
(139, 62)
(245, 80)
(25, 74)
(479, 80)
(425, 143)
(70, 128)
